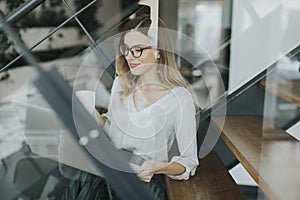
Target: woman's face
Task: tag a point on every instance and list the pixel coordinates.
(139, 44)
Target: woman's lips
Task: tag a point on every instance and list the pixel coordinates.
(133, 65)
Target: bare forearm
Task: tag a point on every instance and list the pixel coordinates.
(150, 167)
(172, 168)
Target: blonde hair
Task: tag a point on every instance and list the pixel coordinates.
(168, 75)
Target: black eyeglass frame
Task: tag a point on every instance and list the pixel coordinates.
(136, 51)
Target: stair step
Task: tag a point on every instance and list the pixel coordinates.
(270, 155)
(286, 90)
(212, 181)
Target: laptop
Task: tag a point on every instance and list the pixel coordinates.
(47, 137)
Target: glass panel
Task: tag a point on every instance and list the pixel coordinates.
(36, 150)
(204, 57)
(262, 118)
(89, 18)
(280, 136)
(255, 32)
(262, 128)
(282, 83)
(28, 148)
(41, 23)
(34, 27)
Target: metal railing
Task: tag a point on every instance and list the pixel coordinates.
(28, 6)
(21, 11)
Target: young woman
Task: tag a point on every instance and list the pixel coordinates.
(151, 113)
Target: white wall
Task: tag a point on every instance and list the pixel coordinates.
(262, 30)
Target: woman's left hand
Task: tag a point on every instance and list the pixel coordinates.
(149, 168)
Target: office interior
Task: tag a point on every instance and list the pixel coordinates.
(241, 59)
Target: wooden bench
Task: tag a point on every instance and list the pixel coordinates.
(269, 154)
(211, 182)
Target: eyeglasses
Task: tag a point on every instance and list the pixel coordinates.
(136, 51)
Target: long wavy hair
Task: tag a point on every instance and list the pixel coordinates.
(168, 75)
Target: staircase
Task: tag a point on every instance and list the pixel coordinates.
(259, 139)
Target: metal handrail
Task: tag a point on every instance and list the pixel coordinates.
(74, 15)
(49, 34)
(21, 11)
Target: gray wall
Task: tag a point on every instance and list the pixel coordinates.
(262, 31)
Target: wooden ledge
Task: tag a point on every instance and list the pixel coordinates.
(286, 90)
(271, 156)
(211, 182)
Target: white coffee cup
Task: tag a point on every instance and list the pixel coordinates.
(87, 98)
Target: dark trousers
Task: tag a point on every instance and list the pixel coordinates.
(85, 186)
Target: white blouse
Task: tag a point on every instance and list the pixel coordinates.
(164, 131)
